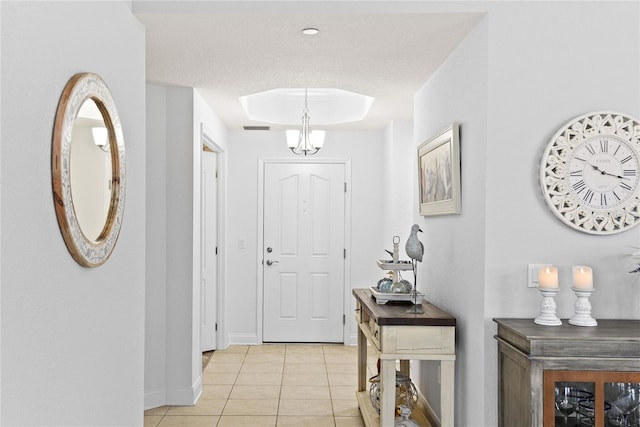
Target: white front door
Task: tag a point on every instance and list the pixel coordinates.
(208, 251)
(303, 253)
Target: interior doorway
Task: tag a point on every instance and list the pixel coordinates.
(209, 266)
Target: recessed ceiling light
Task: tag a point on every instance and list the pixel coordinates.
(310, 31)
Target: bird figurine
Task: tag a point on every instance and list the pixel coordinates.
(414, 249)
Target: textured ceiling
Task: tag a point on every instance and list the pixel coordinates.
(388, 56)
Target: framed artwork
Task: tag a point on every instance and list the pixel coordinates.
(439, 173)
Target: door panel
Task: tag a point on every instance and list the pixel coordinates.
(209, 242)
(304, 215)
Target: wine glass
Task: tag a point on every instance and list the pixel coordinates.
(625, 398)
(564, 402)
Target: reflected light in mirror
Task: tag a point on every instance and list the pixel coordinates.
(101, 138)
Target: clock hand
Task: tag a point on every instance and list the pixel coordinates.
(603, 172)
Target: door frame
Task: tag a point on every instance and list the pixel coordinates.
(206, 140)
(346, 301)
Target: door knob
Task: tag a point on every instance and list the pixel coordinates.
(269, 262)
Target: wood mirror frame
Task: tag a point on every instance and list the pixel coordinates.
(82, 87)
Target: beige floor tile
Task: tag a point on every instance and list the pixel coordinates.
(295, 392)
(251, 407)
(216, 391)
(253, 392)
(203, 407)
(339, 348)
(225, 368)
(311, 378)
(342, 368)
(152, 420)
(215, 378)
(295, 421)
(219, 357)
(343, 379)
(235, 349)
(342, 392)
(247, 421)
(262, 367)
(306, 358)
(303, 368)
(346, 408)
(349, 422)
(271, 358)
(188, 421)
(306, 407)
(259, 379)
(304, 349)
(157, 411)
(341, 358)
(267, 348)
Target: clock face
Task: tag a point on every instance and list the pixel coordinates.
(590, 173)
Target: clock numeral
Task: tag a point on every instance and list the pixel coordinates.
(579, 186)
(588, 196)
(617, 197)
(626, 159)
(625, 186)
(604, 145)
(616, 152)
(590, 149)
(576, 173)
(603, 199)
(629, 172)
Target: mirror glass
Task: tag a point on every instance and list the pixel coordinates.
(90, 170)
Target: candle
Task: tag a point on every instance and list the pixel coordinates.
(548, 277)
(582, 277)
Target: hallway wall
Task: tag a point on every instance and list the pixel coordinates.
(72, 338)
(511, 86)
(175, 117)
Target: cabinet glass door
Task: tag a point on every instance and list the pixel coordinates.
(574, 403)
(623, 401)
(591, 398)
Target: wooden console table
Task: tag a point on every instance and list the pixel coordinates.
(397, 335)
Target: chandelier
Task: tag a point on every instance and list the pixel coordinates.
(305, 142)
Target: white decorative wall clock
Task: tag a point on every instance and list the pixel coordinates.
(590, 173)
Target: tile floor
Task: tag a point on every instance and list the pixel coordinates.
(272, 385)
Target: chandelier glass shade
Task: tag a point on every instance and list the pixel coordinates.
(305, 141)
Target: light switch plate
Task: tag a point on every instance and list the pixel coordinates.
(532, 274)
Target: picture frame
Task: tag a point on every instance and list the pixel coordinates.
(439, 173)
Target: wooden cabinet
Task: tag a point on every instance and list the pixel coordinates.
(591, 364)
(396, 335)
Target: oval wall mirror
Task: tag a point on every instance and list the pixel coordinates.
(88, 169)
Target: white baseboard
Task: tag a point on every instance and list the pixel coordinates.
(423, 404)
(183, 396)
(352, 340)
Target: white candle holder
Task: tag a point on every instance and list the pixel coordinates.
(548, 308)
(582, 307)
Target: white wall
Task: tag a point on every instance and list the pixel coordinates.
(511, 85)
(175, 116)
(72, 337)
(453, 267)
(365, 149)
(400, 160)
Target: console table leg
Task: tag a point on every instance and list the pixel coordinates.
(387, 392)
(362, 361)
(447, 369)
